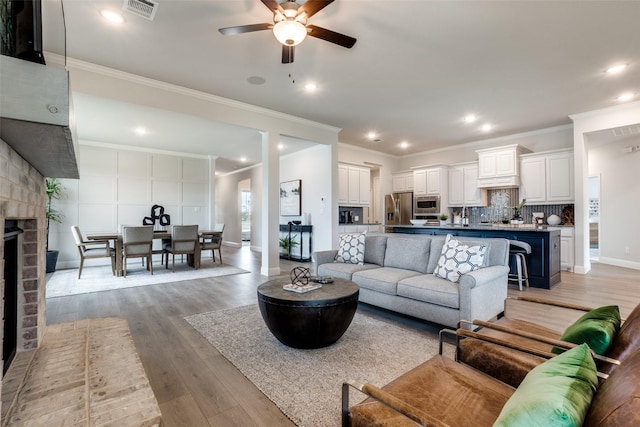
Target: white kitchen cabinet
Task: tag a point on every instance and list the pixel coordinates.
(354, 185)
(463, 186)
(499, 166)
(560, 178)
(365, 186)
(437, 180)
(343, 184)
(402, 181)
(547, 177)
(430, 181)
(420, 182)
(567, 248)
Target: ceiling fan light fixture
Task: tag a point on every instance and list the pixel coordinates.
(290, 32)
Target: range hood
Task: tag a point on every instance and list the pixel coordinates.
(36, 116)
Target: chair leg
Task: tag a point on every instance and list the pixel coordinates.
(150, 263)
(80, 269)
(219, 255)
(526, 271)
(113, 265)
(124, 272)
(519, 269)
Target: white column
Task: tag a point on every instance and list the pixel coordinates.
(270, 204)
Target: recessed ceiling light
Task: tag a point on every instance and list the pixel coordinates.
(140, 130)
(616, 68)
(256, 80)
(280, 146)
(470, 118)
(311, 87)
(243, 159)
(486, 127)
(626, 96)
(372, 135)
(404, 144)
(112, 16)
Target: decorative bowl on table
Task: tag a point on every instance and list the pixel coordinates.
(554, 220)
(418, 221)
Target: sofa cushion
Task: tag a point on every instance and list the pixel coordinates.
(342, 270)
(351, 248)
(374, 249)
(597, 328)
(383, 279)
(408, 254)
(431, 289)
(556, 393)
(457, 259)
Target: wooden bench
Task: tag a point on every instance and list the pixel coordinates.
(85, 373)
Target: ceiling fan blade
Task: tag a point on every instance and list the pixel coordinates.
(272, 5)
(331, 36)
(287, 54)
(240, 29)
(311, 7)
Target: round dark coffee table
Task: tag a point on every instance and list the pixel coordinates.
(314, 319)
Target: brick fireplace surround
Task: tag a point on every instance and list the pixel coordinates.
(23, 198)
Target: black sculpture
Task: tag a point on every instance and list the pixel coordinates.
(157, 215)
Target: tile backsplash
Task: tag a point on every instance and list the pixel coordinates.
(500, 203)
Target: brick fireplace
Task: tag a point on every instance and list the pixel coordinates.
(22, 206)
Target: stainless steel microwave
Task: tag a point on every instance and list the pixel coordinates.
(426, 205)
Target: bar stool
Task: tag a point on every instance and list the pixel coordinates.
(518, 250)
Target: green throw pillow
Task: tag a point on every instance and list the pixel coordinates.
(557, 392)
(597, 328)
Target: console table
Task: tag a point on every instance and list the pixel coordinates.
(300, 230)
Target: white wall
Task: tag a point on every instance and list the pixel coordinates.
(619, 201)
(119, 187)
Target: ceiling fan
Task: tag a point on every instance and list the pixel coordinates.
(290, 26)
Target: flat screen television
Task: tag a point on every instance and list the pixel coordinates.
(22, 29)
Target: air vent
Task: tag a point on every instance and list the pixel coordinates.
(144, 8)
(626, 130)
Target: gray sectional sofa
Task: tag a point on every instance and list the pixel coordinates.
(397, 274)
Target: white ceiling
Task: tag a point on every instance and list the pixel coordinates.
(418, 67)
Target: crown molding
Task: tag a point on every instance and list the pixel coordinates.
(111, 146)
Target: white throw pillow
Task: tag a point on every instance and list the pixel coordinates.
(351, 249)
(457, 259)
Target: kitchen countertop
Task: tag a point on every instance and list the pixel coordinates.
(505, 227)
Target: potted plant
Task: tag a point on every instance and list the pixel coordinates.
(517, 215)
(287, 243)
(55, 190)
(443, 219)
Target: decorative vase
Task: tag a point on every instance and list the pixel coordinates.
(52, 260)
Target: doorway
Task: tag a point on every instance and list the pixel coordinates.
(594, 218)
(244, 188)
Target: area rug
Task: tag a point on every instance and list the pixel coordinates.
(306, 384)
(96, 279)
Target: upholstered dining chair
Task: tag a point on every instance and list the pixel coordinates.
(89, 249)
(137, 242)
(213, 242)
(184, 241)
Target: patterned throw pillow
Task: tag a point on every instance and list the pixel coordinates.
(457, 259)
(351, 249)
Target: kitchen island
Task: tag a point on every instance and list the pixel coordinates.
(544, 261)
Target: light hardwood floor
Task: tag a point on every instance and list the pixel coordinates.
(196, 386)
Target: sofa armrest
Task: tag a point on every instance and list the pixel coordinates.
(484, 277)
(483, 292)
(323, 257)
(390, 401)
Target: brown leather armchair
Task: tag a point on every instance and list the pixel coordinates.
(442, 392)
(511, 366)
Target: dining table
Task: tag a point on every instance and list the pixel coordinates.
(116, 237)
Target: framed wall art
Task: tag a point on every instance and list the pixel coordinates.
(290, 198)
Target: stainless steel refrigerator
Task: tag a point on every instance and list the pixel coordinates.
(398, 208)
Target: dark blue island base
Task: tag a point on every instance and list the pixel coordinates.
(544, 261)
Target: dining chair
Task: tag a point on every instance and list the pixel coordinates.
(213, 242)
(184, 241)
(90, 249)
(137, 242)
